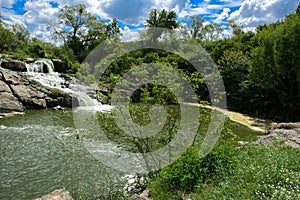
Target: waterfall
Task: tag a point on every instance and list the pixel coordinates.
(85, 100)
(43, 72)
(41, 66)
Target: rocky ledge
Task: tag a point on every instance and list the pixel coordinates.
(18, 92)
(57, 195)
(288, 133)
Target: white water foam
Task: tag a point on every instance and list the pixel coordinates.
(43, 72)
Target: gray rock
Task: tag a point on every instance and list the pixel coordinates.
(143, 196)
(14, 65)
(59, 66)
(19, 91)
(8, 102)
(30, 98)
(57, 195)
(288, 133)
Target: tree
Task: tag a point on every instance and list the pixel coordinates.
(8, 40)
(196, 26)
(236, 28)
(80, 30)
(212, 31)
(113, 29)
(298, 10)
(21, 32)
(160, 19)
(275, 67)
(234, 66)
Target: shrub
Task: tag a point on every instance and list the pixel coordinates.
(186, 172)
(56, 93)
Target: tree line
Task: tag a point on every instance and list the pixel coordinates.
(261, 70)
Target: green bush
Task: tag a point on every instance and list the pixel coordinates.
(190, 171)
(56, 93)
(186, 172)
(262, 172)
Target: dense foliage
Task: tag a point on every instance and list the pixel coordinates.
(260, 70)
(228, 173)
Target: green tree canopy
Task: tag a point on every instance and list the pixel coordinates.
(81, 31)
(235, 27)
(162, 19)
(196, 26)
(275, 66)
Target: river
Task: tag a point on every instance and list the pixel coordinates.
(40, 152)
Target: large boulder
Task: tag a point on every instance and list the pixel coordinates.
(25, 90)
(14, 65)
(57, 195)
(8, 102)
(18, 91)
(59, 66)
(288, 133)
(29, 97)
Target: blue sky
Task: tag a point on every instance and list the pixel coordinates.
(37, 14)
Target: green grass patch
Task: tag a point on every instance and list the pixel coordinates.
(250, 172)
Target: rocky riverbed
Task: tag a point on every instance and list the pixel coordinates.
(287, 133)
(19, 92)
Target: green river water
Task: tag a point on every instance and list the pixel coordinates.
(40, 152)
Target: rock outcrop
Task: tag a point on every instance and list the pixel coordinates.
(19, 92)
(14, 65)
(59, 66)
(8, 102)
(288, 133)
(57, 195)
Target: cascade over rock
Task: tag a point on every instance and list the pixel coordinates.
(39, 88)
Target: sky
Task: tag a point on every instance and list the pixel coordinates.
(37, 14)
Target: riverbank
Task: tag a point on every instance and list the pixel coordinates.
(254, 124)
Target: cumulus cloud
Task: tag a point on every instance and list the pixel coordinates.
(135, 12)
(250, 13)
(7, 3)
(39, 12)
(12, 18)
(255, 12)
(129, 35)
(223, 15)
(209, 9)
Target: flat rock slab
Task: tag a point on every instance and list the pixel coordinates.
(289, 133)
(57, 195)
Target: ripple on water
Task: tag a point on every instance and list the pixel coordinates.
(39, 155)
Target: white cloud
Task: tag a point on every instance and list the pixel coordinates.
(11, 18)
(7, 3)
(223, 15)
(129, 35)
(39, 12)
(255, 12)
(251, 13)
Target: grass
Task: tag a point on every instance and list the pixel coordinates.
(262, 172)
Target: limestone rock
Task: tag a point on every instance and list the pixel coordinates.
(59, 66)
(57, 195)
(288, 133)
(8, 102)
(29, 97)
(14, 65)
(18, 89)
